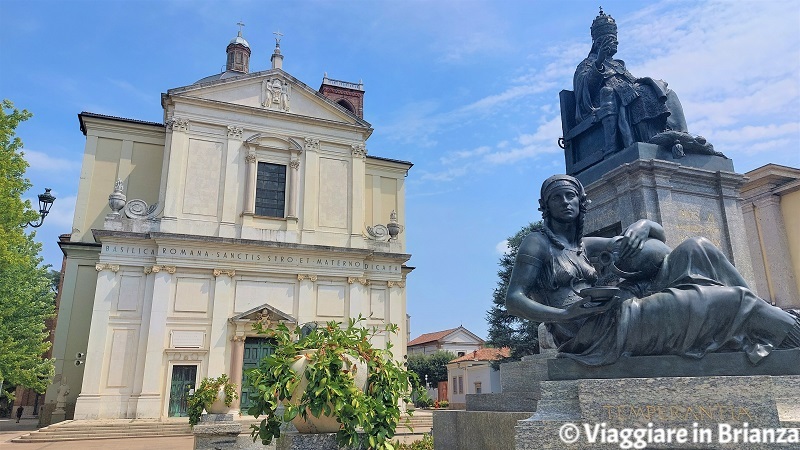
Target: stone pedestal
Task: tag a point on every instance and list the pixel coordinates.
(696, 195)
(59, 415)
(703, 406)
(221, 432)
(311, 441)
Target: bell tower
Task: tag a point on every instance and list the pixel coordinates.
(238, 53)
(349, 96)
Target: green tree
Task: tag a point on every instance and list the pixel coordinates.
(26, 297)
(433, 365)
(505, 330)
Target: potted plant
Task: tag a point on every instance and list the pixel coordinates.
(331, 373)
(213, 395)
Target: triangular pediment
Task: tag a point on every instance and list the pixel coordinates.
(272, 91)
(263, 313)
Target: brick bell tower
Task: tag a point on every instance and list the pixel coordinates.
(349, 96)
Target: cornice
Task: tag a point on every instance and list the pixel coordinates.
(268, 113)
(161, 237)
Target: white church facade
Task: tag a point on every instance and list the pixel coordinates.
(255, 200)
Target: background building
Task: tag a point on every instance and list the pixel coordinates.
(473, 374)
(458, 341)
(254, 201)
(771, 208)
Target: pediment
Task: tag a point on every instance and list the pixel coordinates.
(266, 140)
(271, 90)
(265, 314)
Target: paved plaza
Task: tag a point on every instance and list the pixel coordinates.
(9, 430)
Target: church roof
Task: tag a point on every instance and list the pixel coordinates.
(485, 354)
(119, 119)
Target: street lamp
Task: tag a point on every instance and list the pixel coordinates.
(45, 202)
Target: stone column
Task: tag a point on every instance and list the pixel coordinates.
(178, 152)
(151, 400)
(761, 286)
(237, 360)
(250, 184)
(310, 188)
(359, 296)
(89, 401)
(306, 298)
(223, 299)
(294, 176)
(358, 182)
(232, 186)
(775, 249)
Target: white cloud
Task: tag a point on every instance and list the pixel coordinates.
(502, 247)
(44, 162)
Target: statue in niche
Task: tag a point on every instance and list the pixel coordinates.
(686, 301)
(630, 109)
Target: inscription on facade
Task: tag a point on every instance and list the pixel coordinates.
(292, 260)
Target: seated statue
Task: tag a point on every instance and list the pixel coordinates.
(686, 301)
(630, 109)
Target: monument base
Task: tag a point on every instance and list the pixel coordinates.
(220, 431)
(591, 413)
(701, 199)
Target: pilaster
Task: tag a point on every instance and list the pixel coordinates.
(176, 128)
(223, 301)
(250, 183)
(150, 400)
(237, 361)
(775, 249)
(88, 403)
(232, 186)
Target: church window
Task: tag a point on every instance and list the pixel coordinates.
(270, 190)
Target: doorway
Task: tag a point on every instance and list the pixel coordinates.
(183, 379)
(255, 349)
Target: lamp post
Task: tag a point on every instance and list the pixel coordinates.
(45, 203)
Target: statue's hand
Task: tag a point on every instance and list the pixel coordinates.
(586, 307)
(633, 240)
(601, 57)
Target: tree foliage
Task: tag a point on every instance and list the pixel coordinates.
(433, 365)
(26, 297)
(505, 330)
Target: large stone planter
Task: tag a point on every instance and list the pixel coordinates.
(219, 406)
(323, 424)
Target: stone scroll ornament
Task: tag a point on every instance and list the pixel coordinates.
(686, 301)
(133, 209)
(629, 109)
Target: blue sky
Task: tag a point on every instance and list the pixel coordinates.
(467, 90)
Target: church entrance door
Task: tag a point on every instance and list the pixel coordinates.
(183, 379)
(255, 349)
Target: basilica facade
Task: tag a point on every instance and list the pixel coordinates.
(256, 200)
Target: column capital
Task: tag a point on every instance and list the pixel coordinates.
(301, 277)
(312, 144)
(177, 124)
(112, 267)
(235, 132)
(362, 280)
(231, 273)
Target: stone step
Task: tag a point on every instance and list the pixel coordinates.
(74, 430)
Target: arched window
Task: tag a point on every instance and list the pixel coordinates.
(346, 105)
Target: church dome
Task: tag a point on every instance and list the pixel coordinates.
(239, 40)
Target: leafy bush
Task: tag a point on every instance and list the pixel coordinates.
(368, 418)
(206, 394)
(426, 443)
(444, 404)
